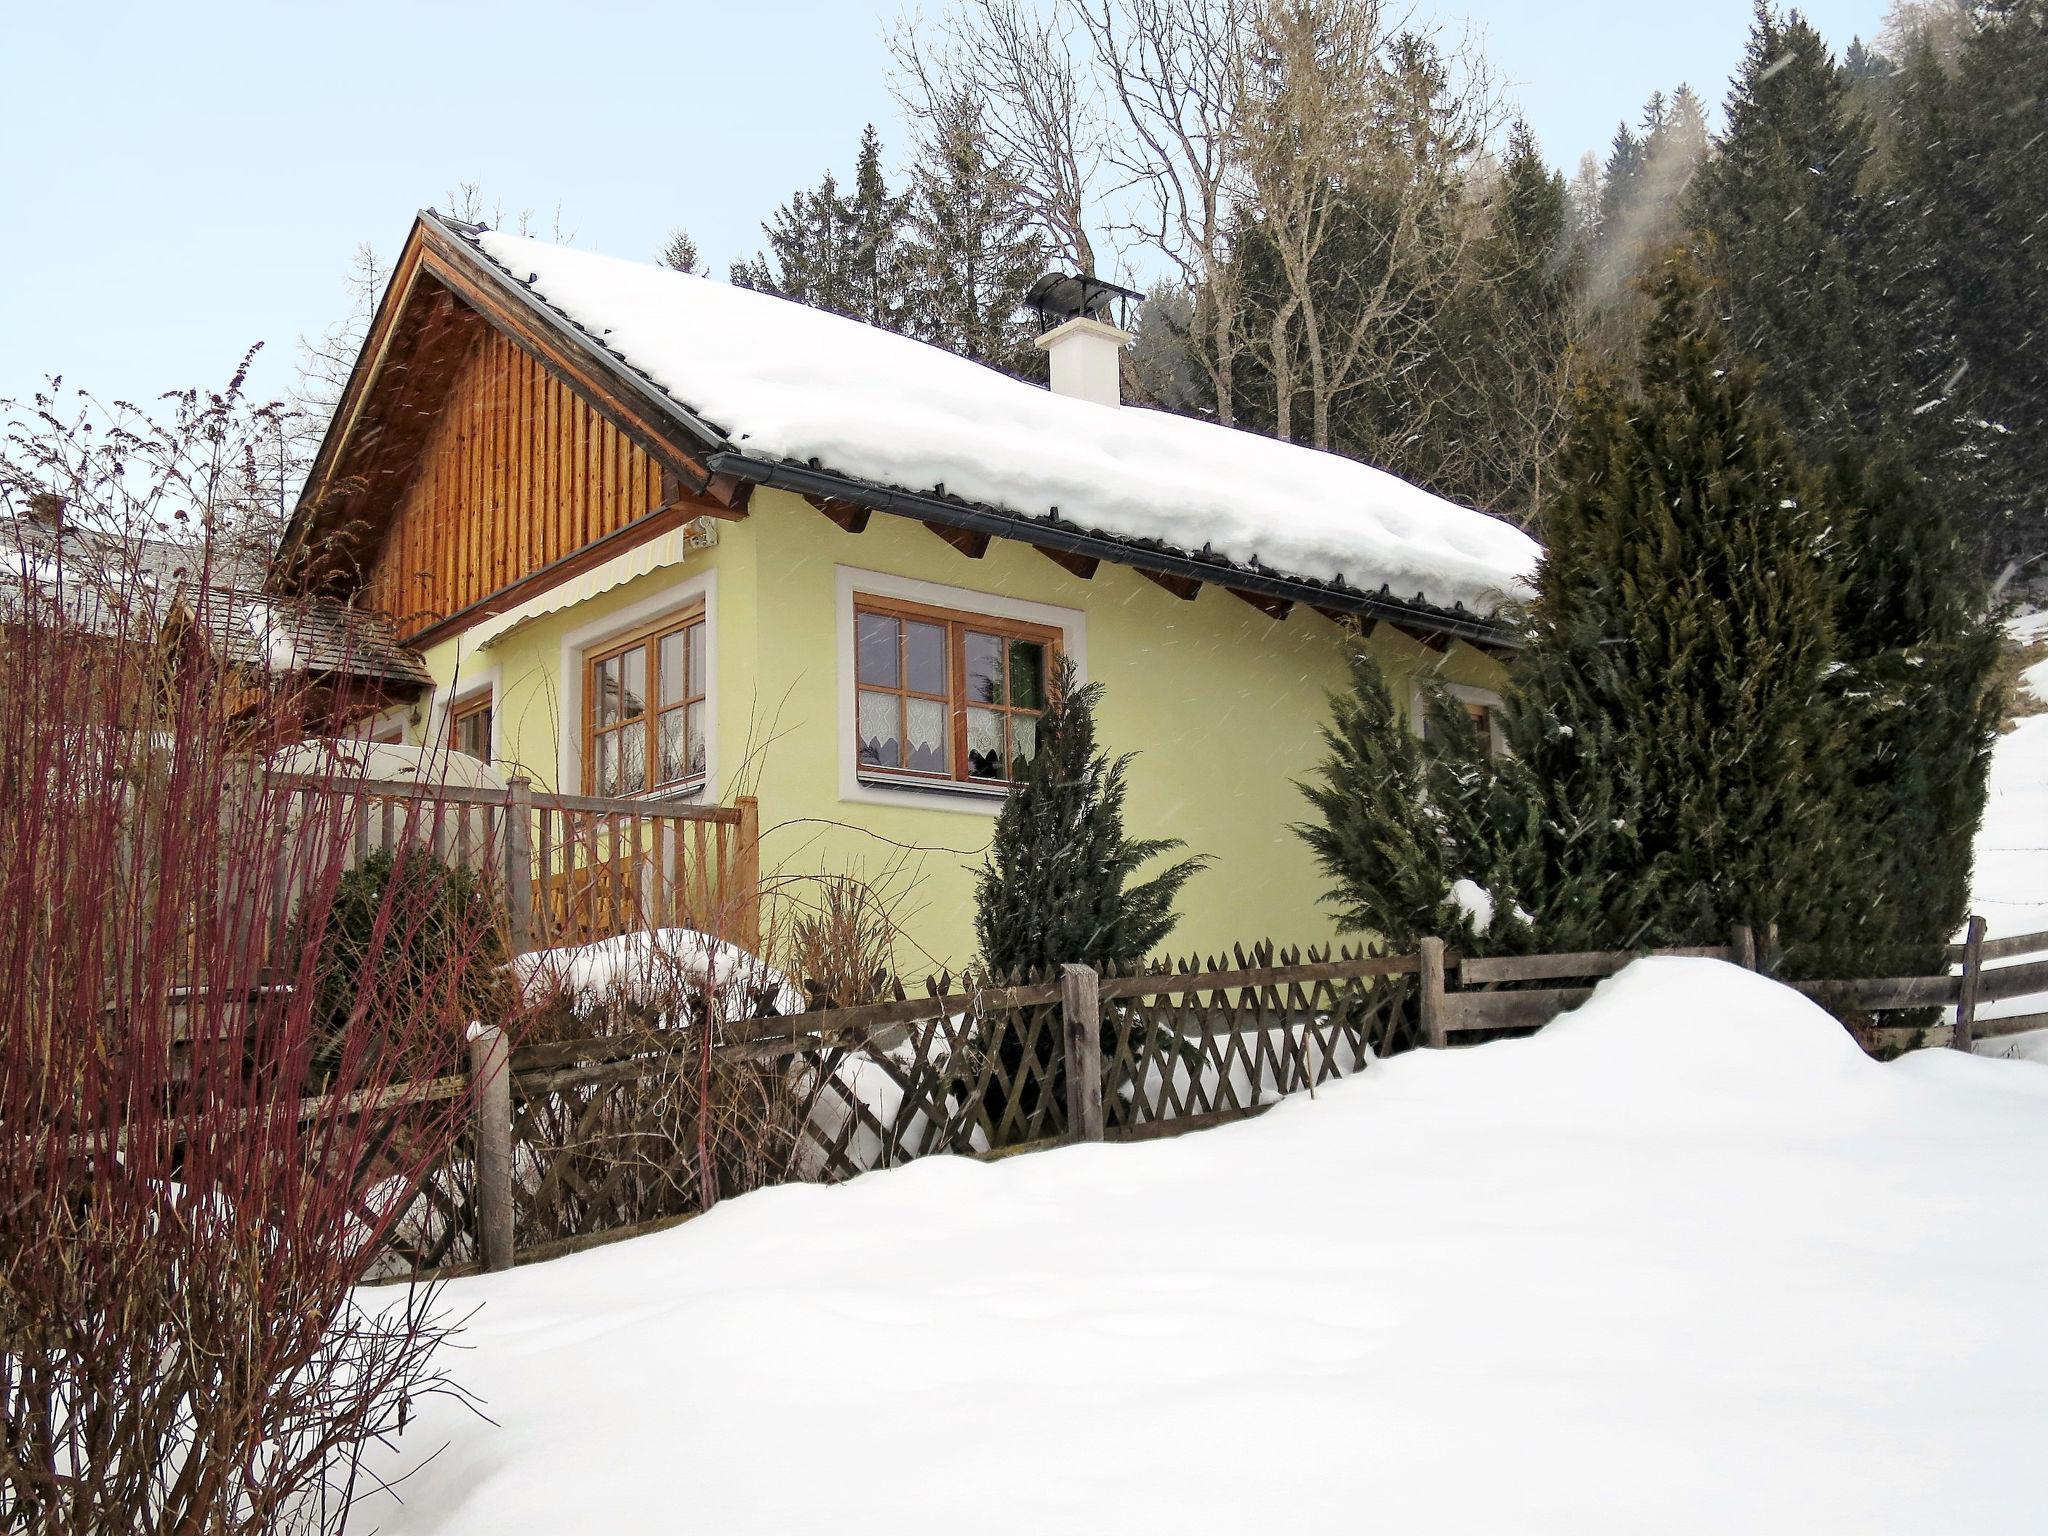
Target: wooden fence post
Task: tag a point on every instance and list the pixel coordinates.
(517, 853)
(1081, 1012)
(1966, 992)
(1742, 946)
(746, 875)
(490, 1069)
(1433, 1029)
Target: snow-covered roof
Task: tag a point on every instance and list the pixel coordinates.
(787, 383)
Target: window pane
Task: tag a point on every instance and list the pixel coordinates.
(632, 760)
(1027, 674)
(984, 669)
(877, 650)
(604, 692)
(605, 765)
(696, 637)
(674, 748)
(984, 744)
(696, 739)
(881, 744)
(1023, 743)
(924, 648)
(473, 734)
(633, 683)
(927, 724)
(674, 670)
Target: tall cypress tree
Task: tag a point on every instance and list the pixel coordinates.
(1919, 709)
(1667, 711)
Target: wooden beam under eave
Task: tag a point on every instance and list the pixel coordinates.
(848, 517)
(1274, 608)
(1183, 587)
(1083, 566)
(730, 492)
(971, 544)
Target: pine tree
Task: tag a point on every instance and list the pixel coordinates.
(1806, 261)
(874, 224)
(971, 249)
(1668, 710)
(1057, 884)
(679, 253)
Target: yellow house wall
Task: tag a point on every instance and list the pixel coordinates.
(1221, 704)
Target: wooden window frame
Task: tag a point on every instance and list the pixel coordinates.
(957, 622)
(693, 624)
(1471, 698)
(466, 709)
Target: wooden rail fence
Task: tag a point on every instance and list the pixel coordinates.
(1472, 1004)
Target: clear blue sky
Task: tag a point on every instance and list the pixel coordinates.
(177, 182)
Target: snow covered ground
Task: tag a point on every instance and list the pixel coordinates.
(2011, 880)
(1685, 1261)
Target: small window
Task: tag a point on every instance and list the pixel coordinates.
(472, 728)
(1482, 709)
(944, 697)
(644, 714)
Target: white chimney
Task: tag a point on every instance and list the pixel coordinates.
(1086, 355)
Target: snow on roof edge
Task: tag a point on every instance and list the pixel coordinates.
(795, 385)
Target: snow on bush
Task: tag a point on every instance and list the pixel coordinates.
(653, 966)
(1685, 1261)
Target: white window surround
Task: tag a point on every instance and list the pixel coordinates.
(1418, 690)
(854, 582)
(586, 637)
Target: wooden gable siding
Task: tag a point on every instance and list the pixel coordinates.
(517, 473)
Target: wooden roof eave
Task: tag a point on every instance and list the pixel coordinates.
(1175, 570)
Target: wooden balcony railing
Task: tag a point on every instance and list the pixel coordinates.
(568, 868)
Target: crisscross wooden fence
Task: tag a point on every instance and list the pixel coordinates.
(606, 1134)
(585, 1139)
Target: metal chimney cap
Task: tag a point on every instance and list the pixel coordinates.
(1060, 296)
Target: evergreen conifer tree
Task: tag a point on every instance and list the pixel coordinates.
(970, 246)
(874, 224)
(679, 253)
(1059, 882)
(1399, 820)
(1668, 709)
(1919, 711)
(1972, 189)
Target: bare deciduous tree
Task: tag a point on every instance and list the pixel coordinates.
(1357, 140)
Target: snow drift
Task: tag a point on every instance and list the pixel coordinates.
(1686, 1261)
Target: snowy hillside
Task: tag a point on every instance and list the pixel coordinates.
(1686, 1261)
